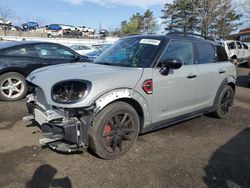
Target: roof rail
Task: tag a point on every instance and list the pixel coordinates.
(190, 34)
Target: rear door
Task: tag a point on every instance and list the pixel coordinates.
(23, 58)
(175, 94)
(210, 74)
(246, 51)
(240, 51)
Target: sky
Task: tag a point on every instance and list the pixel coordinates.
(89, 13)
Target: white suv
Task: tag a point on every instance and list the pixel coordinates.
(139, 84)
(237, 51)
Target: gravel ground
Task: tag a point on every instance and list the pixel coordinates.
(202, 152)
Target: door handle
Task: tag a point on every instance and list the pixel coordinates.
(191, 76)
(221, 71)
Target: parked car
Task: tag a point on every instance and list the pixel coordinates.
(18, 59)
(94, 54)
(238, 52)
(30, 26)
(54, 30)
(140, 84)
(82, 48)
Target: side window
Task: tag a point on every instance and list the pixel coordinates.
(239, 45)
(182, 50)
(50, 51)
(245, 46)
(25, 51)
(205, 53)
(231, 45)
(221, 53)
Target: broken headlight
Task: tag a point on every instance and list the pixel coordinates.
(70, 91)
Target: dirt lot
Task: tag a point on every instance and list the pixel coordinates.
(203, 152)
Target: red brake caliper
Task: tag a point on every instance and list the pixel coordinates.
(107, 129)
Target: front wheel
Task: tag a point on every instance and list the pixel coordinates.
(225, 102)
(114, 130)
(12, 86)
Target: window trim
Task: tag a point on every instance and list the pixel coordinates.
(166, 47)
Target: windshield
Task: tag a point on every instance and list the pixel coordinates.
(130, 52)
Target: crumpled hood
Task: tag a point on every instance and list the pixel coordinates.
(103, 78)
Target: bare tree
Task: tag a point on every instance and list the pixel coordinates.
(6, 15)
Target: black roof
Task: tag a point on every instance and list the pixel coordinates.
(176, 36)
(4, 45)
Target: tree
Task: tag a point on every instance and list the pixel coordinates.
(179, 16)
(149, 23)
(138, 23)
(209, 17)
(227, 20)
(5, 15)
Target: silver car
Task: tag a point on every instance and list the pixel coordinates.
(140, 84)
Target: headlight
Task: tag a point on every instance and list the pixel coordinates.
(70, 91)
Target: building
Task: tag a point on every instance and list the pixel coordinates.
(243, 35)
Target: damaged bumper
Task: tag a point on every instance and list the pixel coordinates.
(64, 130)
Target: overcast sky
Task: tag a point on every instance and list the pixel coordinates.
(90, 13)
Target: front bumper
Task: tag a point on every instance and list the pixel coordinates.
(64, 130)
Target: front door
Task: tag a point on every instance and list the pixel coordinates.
(175, 94)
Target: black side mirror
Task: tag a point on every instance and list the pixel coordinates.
(168, 64)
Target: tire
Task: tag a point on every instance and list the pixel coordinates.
(224, 103)
(106, 139)
(13, 86)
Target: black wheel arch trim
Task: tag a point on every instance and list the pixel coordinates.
(222, 85)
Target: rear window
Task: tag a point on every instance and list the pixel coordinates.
(221, 53)
(205, 53)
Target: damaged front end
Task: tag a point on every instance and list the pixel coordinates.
(64, 130)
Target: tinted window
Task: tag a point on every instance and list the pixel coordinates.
(180, 50)
(221, 53)
(53, 52)
(245, 46)
(231, 45)
(20, 51)
(239, 45)
(205, 53)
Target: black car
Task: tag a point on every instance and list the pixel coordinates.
(19, 59)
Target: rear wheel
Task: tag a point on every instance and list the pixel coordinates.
(12, 86)
(225, 102)
(114, 130)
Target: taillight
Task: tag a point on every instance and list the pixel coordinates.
(147, 86)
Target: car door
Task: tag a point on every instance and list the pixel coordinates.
(23, 58)
(175, 94)
(240, 51)
(52, 54)
(246, 51)
(210, 74)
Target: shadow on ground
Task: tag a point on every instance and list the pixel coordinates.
(44, 178)
(242, 81)
(229, 166)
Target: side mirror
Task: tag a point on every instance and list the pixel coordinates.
(168, 64)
